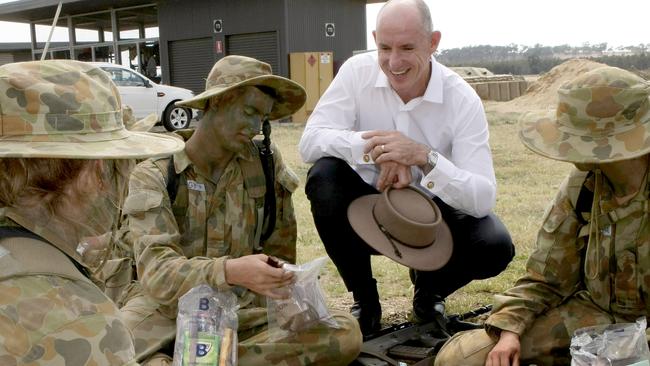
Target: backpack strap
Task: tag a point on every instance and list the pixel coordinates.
(268, 166)
(172, 180)
(584, 200)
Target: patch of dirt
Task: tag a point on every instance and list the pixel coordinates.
(542, 92)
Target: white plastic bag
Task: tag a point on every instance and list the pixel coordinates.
(305, 307)
(206, 328)
(622, 344)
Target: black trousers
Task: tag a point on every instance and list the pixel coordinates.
(482, 246)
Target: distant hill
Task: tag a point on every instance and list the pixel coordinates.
(525, 60)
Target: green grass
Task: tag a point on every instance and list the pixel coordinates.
(526, 183)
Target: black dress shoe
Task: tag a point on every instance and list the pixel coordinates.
(428, 308)
(368, 314)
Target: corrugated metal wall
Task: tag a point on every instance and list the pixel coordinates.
(306, 28)
(299, 25)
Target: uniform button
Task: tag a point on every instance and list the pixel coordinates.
(366, 158)
(430, 185)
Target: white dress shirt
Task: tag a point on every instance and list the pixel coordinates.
(449, 118)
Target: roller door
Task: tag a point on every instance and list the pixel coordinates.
(262, 46)
(190, 62)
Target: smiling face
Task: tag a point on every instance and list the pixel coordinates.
(405, 47)
(239, 116)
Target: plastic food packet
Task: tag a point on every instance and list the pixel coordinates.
(206, 328)
(614, 344)
(304, 308)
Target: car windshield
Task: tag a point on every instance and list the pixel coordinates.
(123, 77)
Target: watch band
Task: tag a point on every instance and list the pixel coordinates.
(432, 158)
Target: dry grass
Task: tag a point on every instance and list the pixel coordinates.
(526, 184)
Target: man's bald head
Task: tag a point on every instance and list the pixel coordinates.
(403, 5)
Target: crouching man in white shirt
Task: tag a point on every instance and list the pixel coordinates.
(396, 118)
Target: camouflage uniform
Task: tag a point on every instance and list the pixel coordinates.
(56, 317)
(182, 245)
(50, 313)
(588, 268)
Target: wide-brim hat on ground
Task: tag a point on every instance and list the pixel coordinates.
(68, 109)
(236, 71)
(404, 225)
(602, 116)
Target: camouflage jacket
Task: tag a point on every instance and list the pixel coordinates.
(179, 247)
(49, 313)
(614, 271)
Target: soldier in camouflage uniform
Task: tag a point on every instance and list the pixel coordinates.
(592, 261)
(60, 122)
(210, 231)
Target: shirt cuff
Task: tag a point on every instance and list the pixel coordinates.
(357, 144)
(439, 176)
(498, 322)
(219, 273)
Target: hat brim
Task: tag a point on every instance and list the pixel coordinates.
(541, 133)
(429, 258)
(290, 95)
(119, 144)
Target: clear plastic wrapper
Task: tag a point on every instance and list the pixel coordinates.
(304, 308)
(622, 344)
(206, 328)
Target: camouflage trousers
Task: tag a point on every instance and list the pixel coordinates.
(319, 345)
(546, 342)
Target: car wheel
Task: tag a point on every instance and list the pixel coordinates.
(176, 118)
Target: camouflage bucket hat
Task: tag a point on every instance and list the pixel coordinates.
(68, 109)
(602, 116)
(236, 71)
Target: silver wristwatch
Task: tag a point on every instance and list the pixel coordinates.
(432, 159)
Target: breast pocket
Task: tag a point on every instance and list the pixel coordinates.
(626, 283)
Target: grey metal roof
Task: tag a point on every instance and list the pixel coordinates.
(26, 11)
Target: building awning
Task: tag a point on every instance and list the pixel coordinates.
(26, 11)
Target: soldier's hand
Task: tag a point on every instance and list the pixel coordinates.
(386, 146)
(506, 352)
(393, 174)
(256, 274)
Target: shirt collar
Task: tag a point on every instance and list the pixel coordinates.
(432, 94)
(182, 161)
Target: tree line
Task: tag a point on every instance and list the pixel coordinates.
(523, 60)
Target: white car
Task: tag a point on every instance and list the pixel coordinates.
(146, 97)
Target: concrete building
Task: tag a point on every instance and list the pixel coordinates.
(186, 37)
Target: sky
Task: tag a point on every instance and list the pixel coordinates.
(547, 22)
(496, 22)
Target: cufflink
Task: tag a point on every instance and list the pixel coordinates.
(366, 158)
(430, 185)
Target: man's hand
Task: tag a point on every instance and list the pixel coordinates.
(393, 174)
(506, 351)
(254, 273)
(386, 146)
